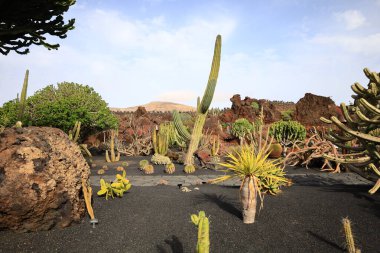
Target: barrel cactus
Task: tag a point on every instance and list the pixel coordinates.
(189, 169)
(160, 159)
(170, 168)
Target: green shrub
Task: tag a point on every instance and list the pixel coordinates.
(9, 113)
(67, 103)
(287, 132)
(287, 115)
(241, 127)
(255, 105)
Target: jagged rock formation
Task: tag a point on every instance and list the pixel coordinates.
(311, 107)
(41, 173)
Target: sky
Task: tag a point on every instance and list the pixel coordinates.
(136, 51)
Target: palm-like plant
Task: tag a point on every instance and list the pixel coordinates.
(258, 174)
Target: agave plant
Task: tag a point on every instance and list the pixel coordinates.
(258, 174)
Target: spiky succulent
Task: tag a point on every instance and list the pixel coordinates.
(142, 164)
(189, 169)
(160, 159)
(148, 169)
(170, 168)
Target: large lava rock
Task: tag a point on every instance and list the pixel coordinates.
(40, 179)
(311, 108)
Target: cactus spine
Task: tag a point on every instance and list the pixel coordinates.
(202, 223)
(362, 125)
(114, 157)
(204, 104)
(22, 100)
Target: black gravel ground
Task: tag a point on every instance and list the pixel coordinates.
(157, 219)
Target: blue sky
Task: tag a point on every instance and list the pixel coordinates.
(137, 51)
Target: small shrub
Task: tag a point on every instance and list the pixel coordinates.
(287, 132)
(241, 127)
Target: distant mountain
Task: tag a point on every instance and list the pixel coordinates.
(157, 106)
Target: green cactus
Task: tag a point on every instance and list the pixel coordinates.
(350, 242)
(241, 128)
(203, 105)
(287, 132)
(114, 157)
(170, 168)
(116, 188)
(22, 100)
(143, 163)
(189, 168)
(160, 142)
(362, 126)
(202, 223)
(181, 129)
(148, 169)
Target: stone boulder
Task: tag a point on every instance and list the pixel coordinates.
(40, 179)
(311, 107)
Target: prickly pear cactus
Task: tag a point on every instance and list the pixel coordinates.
(362, 127)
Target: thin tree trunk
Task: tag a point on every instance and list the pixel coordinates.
(248, 197)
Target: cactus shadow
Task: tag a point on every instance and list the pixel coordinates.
(326, 241)
(370, 203)
(224, 203)
(174, 243)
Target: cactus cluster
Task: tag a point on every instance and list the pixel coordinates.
(362, 127)
(202, 223)
(287, 132)
(116, 188)
(148, 169)
(215, 146)
(160, 159)
(170, 168)
(74, 136)
(145, 167)
(143, 163)
(160, 140)
(202, 107)
(113, 157)
(189, 168)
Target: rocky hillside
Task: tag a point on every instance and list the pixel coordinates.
(157, 106)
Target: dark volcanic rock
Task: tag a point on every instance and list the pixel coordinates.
(311, 107)
(40, 179)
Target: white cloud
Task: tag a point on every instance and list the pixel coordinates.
(369, 45)
(352, 19)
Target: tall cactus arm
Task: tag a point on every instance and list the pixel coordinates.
(358, 89)
(362, 117)
(358, 134)
(373, 76)
(369, 107)
(345, 113)
(182, 131)
(23, 96)
(210, 89)
(327, 121)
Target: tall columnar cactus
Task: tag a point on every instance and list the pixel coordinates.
(201, 221)
(362, 127)
(22, 99)
(160, 142)
(203, 105)
(114, 157)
